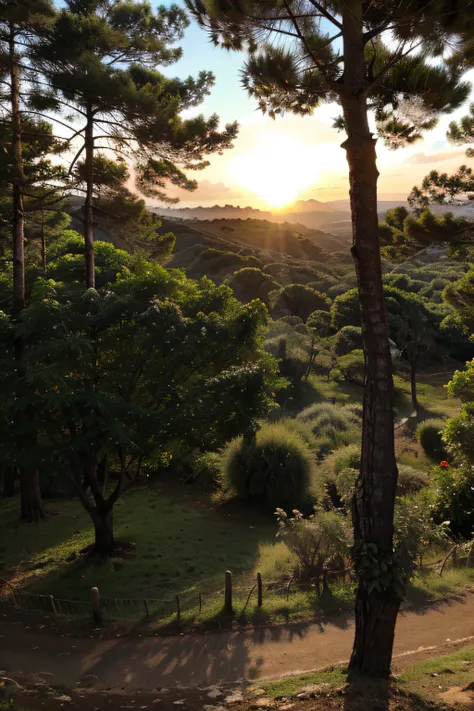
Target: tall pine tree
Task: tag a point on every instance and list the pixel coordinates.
(367, 56)
(101, 61)
(23, 24)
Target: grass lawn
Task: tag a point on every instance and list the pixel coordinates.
(183, 545)
(431, 679)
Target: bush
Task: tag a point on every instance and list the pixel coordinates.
(410, 480)
(320, 323)
(333, 473)
(298, 300)
(321, 544)
(429, 435)
(251, 283)
(324, 414)
(206, 471)
(455, 499)
(348, 339)
(274, 471)
(350, 367)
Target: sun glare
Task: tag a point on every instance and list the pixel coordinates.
(277, 170)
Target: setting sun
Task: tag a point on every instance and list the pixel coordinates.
(277, 170)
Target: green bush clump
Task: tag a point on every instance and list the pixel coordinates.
(274, 471)
(410, 480)
(429, 435)
(324, 414)
(206, 471)
(350, 367)
(347, 339)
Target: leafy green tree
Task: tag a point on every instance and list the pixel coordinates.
(251, 283)
(119, 375)
(411, 328)
(319, 323)
(101, 61)
(345, 310)
(298, 300)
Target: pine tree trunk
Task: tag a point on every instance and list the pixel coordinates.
(31, 505)
(414, 399)
(374, 499)
(104, 532)
(88, 204)
(18, 216)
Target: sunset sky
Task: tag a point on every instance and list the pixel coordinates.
(275, 162)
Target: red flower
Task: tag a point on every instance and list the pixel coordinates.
(444, 464)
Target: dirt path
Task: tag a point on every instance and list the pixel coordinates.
(202, 660)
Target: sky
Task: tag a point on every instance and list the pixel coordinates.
(275, 162)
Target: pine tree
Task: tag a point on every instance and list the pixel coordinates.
(22, 25)
(366, 56)
(101, 61)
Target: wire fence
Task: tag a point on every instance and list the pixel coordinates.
(200, 603)
(186, 606)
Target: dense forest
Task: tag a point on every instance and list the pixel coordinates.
(243, 360)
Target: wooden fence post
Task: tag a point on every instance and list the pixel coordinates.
(200, 602)
(228, 592)
(259, 590)
(96, 612)
(147, 609)
(53, 605)
(178, 609)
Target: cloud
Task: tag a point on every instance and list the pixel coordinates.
(208, 190)
(422, 158)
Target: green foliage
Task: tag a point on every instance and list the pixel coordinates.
(251, 283)
(206, 471)
(325, 414)
(274, 471)
(348, 339)
(430, 435)
(410, 480)
(320, 323)
(350, 367)
(298, 300)
(415, 531)
(454, 502)
(153, 359)
(320, 542)
(66, 260)
(345, 310)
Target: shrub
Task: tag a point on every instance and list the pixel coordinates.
(323, 414)
(251, 283)
(298, 300)
(414, 531)
(350, 367)
(206, 471)
(410, 480)
(455, 499)
(320, 323)
(321, 544)
(348, 339)
(429, 435)
(274, 471)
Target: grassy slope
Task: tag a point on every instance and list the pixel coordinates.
(183, 543)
